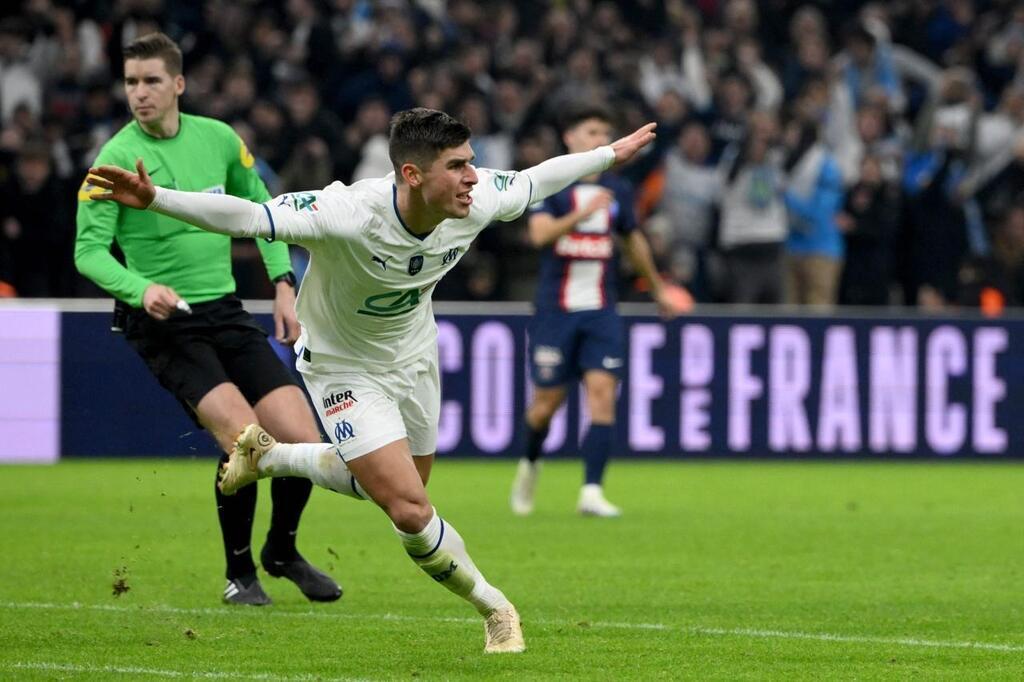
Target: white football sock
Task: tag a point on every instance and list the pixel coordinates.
(319, 462)
(440, 551)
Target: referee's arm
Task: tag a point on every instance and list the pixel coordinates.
(96, 222)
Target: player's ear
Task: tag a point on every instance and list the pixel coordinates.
(179, 84)
(412, 175)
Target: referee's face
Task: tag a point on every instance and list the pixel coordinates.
(151, 90)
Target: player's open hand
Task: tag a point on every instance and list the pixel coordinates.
(627, 147)
(134, 190)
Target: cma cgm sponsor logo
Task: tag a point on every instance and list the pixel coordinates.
(343, 431)
(216, 189)
(597, 247)
(338, 402)
(300, 201)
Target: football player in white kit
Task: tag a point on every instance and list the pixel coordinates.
(369, 340)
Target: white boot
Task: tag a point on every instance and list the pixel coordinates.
(524, 486)
(504, 634)
(593, 503)
(241, 469)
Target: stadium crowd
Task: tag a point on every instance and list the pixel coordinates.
(808, 152)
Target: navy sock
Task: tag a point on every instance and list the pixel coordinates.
(235, 513)
(597, 445)
(289, 496)
(535, 442)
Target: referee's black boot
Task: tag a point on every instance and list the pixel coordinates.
(245, 590)
(314, 583)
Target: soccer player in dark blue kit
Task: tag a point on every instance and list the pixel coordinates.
(576, 331)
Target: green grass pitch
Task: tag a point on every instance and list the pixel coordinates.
(817, 571)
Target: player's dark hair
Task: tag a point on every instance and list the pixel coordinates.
(154, 45)
(575, 115)
(419, 135)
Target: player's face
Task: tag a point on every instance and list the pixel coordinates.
(587, 135)
(152, 91)
(448, 183)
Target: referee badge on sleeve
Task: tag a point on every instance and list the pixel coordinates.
(415, 264)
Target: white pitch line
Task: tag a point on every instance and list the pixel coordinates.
(854, 639)
(157, 672)
(693, 630)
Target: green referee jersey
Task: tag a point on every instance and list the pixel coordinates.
(205, 156)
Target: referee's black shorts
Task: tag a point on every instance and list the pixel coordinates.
(219, 342)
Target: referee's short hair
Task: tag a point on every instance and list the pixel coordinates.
(155, 45)
(419, 135)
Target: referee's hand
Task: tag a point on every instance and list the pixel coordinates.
(134, 190)
(286, 323)
(160, 301)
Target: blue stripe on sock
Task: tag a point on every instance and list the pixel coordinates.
(439, 539)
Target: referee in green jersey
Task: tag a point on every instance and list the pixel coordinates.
(184, 319)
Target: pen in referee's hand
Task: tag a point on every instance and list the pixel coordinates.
(183, 306)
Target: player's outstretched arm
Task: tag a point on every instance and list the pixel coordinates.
(221, 213)
(554, 175)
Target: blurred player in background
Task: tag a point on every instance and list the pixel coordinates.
(369, 337)
(576, 331)
(180, 312)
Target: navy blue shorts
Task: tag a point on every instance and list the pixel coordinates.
(565, 345)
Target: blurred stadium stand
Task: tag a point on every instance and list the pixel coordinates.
(915, 108)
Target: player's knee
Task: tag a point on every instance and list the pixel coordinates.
(410, 515)
(543, 411)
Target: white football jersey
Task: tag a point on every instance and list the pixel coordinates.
(365, 301)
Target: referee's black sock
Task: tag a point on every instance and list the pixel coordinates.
(535, 442)
(235, 513)
(289, 496)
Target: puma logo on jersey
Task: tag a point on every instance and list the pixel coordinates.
(383, 262)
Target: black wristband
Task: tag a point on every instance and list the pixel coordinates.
(288, 278)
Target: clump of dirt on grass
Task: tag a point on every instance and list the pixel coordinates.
(120, 585)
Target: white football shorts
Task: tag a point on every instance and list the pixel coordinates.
(362, 411)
